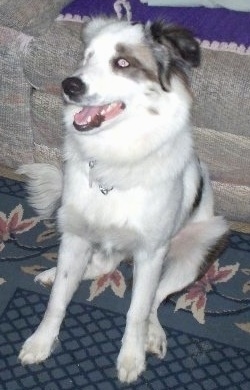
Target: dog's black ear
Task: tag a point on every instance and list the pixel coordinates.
(181, 40)
(175, 50)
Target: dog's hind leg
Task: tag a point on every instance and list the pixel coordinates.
(186, 256)
(74, 254)
(99, 265)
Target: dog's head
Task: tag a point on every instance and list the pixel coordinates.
(123, 62)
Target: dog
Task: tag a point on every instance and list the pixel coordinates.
(131, 184)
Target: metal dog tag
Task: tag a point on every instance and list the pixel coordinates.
(104, 190)
(91, 166)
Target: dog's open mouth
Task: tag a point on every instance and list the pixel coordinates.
(91, 117)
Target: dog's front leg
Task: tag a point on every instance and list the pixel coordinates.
(147, 270)
(74, 254)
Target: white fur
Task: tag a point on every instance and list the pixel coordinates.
(149, 161)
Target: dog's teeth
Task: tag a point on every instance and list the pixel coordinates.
(103, 112)
(89, 119)
(109, 108)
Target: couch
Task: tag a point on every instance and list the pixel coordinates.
(37, 51)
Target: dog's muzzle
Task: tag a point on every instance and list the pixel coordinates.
(89, 117)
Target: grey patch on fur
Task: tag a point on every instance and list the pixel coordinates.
(137, 56)
(153, 111)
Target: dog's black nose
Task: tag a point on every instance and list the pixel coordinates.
(73, 87)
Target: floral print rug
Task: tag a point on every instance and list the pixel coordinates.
(208, 324)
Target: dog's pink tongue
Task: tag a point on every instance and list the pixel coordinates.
(86, 114)
(92, 116)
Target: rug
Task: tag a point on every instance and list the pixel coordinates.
(208, 324)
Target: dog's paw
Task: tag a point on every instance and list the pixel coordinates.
(46, 278)
(36, 349)
(156, 342)
(130, 364)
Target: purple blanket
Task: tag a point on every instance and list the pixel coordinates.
(216, 24)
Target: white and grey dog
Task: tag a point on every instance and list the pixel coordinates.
(131, 186)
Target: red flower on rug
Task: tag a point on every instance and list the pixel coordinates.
(14, 224)
(196, 295)
(115, 280)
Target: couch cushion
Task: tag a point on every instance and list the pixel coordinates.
(30, 16)
(16, 135)
(47, 60)
(51, 57)
(221, 88)
(228, 158)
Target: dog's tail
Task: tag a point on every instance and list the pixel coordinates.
(44, 186)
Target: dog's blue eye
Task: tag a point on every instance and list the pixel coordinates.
(122, 63)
